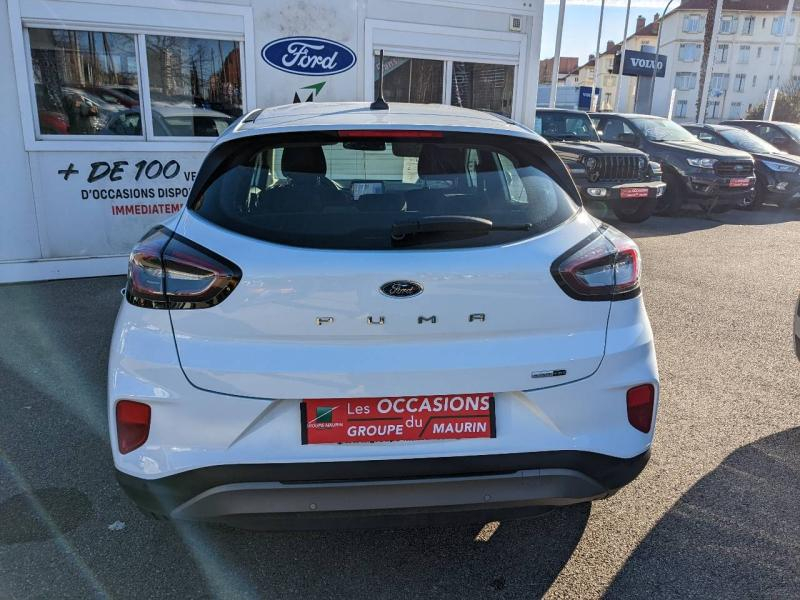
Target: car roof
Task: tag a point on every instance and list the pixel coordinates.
(321, 116)
(178, 110)
(626, 115)
(561, 110)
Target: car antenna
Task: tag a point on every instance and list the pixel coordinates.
(380, 103)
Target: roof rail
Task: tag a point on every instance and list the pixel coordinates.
(252, 115)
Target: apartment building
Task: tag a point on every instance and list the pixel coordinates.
(745, 57)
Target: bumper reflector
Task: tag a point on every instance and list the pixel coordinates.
(640, 402)
(133, 425)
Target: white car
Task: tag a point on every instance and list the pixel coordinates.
(365, 313)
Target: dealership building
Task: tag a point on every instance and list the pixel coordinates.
(111, 106)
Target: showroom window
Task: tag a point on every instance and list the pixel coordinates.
(83, 79)
(91, 82)
(488, 87)
(411, 79)
(483, 87)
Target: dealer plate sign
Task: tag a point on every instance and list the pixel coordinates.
(409, 418)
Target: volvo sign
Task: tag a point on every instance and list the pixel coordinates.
(643, 63)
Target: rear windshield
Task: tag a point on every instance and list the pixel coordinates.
(369, 190)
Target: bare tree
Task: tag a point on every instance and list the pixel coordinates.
(709, 28)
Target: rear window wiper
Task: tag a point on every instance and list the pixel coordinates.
(453, 223)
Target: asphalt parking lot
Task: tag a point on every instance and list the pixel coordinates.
(715, 514)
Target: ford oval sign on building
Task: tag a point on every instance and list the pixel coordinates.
(308, 56)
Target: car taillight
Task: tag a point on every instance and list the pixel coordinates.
(165, 270)
(604, 266)
(133, 425)
(640, 401)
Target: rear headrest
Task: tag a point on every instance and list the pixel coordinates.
(309, 160)
(436, 160)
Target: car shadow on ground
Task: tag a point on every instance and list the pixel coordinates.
(734, 534)
(510, 559)
(694, 219)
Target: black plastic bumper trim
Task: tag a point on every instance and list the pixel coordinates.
(161, 496)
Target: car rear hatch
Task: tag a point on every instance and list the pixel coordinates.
(311, 221)
(306, 323)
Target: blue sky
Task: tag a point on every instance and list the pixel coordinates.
(580, 24)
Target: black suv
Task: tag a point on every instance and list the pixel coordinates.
(622, 177)
(777, 173)
(784, 136)
(714, 177)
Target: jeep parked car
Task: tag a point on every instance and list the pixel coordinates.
(714, 177)
(622, 177)
(777, 173)
(784, 136)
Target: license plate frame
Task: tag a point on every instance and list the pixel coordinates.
(738, 182)
(397, 419)
(633, 193)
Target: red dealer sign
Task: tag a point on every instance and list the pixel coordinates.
(337, 421)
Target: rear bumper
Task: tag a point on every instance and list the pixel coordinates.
(299, 494)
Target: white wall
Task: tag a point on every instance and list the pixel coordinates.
(18, 232)
(47, 217)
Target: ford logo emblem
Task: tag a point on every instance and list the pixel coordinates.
(308, 56)
(401, 289)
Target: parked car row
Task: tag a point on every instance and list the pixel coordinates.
(641, 164)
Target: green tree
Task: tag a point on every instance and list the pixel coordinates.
(787, 107)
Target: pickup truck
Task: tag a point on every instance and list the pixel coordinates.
(714, 177)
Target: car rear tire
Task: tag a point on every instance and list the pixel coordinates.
(632, 211)
(671, 202)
